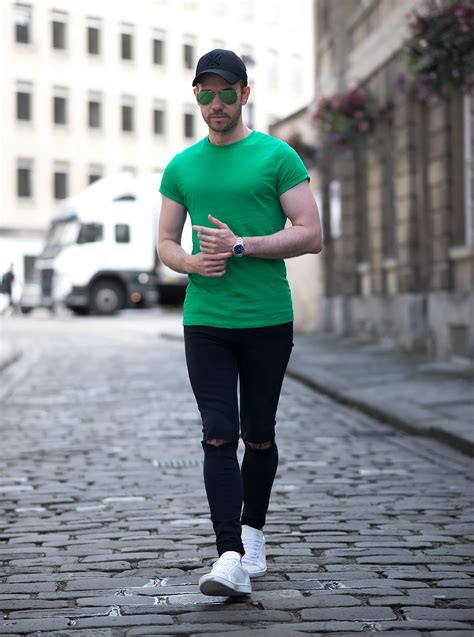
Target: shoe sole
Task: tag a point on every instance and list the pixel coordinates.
(254, 573)
(220, 587)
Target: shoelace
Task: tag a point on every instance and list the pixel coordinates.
(252, 548)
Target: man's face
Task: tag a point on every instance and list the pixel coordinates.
(218, 116)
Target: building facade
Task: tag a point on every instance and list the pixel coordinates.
(397, 205)
(95, 87)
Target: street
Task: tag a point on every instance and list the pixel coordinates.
(104, 528)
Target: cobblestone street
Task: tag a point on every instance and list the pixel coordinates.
(104, 528)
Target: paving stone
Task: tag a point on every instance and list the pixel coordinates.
(364, 613)
(461, 614)
(264, 632)
(183, 629)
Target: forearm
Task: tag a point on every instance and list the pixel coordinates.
(289, 242)
(173, 255)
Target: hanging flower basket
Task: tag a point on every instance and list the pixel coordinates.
(440, 51)
(344, 117)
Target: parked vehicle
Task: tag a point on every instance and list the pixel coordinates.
(100, 252)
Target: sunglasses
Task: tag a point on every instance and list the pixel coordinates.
(227, 96)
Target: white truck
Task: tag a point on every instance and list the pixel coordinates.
(100, 252)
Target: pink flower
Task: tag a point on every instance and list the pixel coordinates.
(465, 28)
(364, 125)
(460, 12)
(358, 114)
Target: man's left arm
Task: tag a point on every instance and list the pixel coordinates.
(304, 236)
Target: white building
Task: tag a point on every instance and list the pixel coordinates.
(94, 87)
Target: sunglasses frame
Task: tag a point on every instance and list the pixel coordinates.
(214, 93)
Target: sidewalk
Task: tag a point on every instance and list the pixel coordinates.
(8, 353)
(404, 390)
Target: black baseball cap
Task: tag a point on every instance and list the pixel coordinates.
(224, 63)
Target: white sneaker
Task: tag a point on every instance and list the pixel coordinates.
(228, 577)
(254, 560)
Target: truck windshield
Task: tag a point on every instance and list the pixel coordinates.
(63, 233)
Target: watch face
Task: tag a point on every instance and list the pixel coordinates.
(238, 250)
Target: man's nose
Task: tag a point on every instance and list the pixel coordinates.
(213, 101)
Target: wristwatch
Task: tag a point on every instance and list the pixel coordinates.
(238, 249)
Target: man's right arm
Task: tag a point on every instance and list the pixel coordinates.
(172, 218)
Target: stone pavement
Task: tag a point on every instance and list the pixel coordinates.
(104, 528)
(404, 390)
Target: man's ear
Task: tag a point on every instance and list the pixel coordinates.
(245, 94)
(195, 91)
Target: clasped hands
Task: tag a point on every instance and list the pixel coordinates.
(216, 247)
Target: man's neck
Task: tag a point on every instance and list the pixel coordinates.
(229, 137)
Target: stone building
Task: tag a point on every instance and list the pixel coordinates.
(397, 207)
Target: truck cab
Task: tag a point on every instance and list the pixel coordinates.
(100, 251)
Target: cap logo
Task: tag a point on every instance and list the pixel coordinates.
(215, 58)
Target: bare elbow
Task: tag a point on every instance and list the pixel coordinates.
(316, 245)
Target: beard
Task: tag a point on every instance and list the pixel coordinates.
(224, 125)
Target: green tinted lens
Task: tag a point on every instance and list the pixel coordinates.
(204, 97)
(228, 96)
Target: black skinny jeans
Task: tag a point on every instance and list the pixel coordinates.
(219, 360)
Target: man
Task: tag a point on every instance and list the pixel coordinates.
(7, 287)
(239, 188)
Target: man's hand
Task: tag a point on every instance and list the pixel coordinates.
(217, 240)
(211, 265)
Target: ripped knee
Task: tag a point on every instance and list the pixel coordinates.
(259, 446)
(218, 442)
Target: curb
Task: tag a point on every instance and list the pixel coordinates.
(9, 359)
(452, 440)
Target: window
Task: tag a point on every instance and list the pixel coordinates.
(158, 48)
(90, 232)
(60, 105)
(188, 125)
(460, 175)
(158, 119)
(272, 69)
(247, 55)
(60, 179)
(296, 73)
(94, 107)
(58, 24)
(122, 233)
(249, 113)
(95, 173)
(24, 101)
(188, 53)
(24, 178)
(93, 36)
(126, 42)
(23, 23)
(127, 114)
(335, 208)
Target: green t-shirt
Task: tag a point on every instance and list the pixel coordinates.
(240, 184)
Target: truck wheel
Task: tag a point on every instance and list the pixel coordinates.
(106, 297)
(80, 311)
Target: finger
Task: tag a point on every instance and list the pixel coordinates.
(204, 230)
(215, 272)
(223, 256)
(217, 222)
